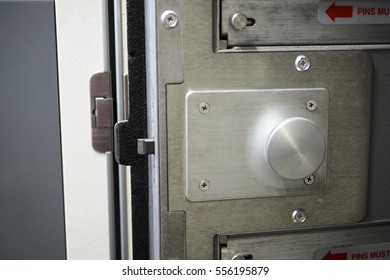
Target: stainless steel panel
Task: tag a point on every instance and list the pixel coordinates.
(226, 146)
(165, 65)
(292, 23)
(300, 244)
(346, 75)
(188, 228)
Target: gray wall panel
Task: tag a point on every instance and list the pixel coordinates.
(31, 196)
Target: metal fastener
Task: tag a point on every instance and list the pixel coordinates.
(309, 180)
(311, 105)
(242, 257)
(238, 257)
(204, 108)
(204, 185)
(299, 216)
(169, 19)
(302, 63)
(239, 21)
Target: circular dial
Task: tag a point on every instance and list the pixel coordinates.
(295, 148)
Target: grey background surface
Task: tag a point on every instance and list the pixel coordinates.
(379, 187)
(31, 196)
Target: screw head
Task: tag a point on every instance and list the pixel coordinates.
(302, 63)
(239, 21)
(309, 180)
(299, 216)
(169, 19)
(204, 185)
(204, 108)
(311, 105)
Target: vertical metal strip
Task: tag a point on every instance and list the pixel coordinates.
(151, 78)
(109, 155)
(111, 205)
(120, 115)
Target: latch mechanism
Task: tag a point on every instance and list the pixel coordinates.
(101, 112)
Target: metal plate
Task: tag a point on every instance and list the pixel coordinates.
(307, 243)
(226, 145)
(189, 227)
(292, 23)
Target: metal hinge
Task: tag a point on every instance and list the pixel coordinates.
(101, 112)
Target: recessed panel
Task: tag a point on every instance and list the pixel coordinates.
(255, 143)
(254, 23)
(364, 241)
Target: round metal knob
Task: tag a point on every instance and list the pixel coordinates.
(295, 148)
(239, 21)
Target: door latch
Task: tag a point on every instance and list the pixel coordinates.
(101, 112)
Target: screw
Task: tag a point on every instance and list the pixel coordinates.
(239, 21)
(299, 216)
(311, 105)
(204, 108)
(309, 180)
(169, 19)
(302, 63)
(204, 185)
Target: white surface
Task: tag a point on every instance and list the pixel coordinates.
(190, 269)
(81, 53)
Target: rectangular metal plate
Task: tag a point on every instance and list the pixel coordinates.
(346, 76)
(293, 23)
(312, 243)
(225, 144)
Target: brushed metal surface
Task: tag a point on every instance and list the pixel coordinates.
(188, 228)
(302, 243)
(165, 65)
(228, 146)
(379, 192)
(346, 75)
(292, 23)
(296, 148)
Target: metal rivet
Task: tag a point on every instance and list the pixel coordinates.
(169, 19)
(311, 105)
(204, 185)
(309, 180)
(204, 108)
(239, 21)
(302, 63)
(299, 216)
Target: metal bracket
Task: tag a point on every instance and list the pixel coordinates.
(145, 146)
(101, 112)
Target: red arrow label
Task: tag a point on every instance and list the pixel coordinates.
(339, 11)
(337, 256)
